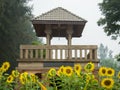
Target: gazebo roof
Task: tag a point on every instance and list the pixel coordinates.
(58, 16)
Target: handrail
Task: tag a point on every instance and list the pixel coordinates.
(58, 52)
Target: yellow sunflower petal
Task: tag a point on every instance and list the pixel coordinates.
(110, 72)
(15, 73)
(107, 83)
(68, 71)
(102, 71)
(5, 66)
(10, 79)
(118, 75)
(89, 67)
(52, 72)
(77, 69)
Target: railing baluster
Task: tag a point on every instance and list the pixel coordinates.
(47, 54)
(80, 54)
(70, 53)
(66, 53)
(41, 53)
(75, 53)
(31, 53)
(56, 54)
(26, 54)
(95, 53)
(85, 54)
(60, 53)
(21, 53)
(90, 54)
(51, 53)
(36, 53)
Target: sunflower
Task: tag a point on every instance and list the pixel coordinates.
(77, 68)
(89, 67)
(22, 79)
(118, 75)
(1, 71)
(25, 74)
(10, 79)
(52, 72)
(102, 71)
(61, 69)
(110, 72)
(88, 78)
(33, 77)
(107, 83)
(15, 73)
(68, 71)
(5, 66)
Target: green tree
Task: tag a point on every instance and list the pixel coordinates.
(111, 21)
(15, 27)
(117, 57)
(104, 52)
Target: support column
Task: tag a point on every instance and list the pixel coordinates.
(48, 32)
(69, 38)
(69, 34)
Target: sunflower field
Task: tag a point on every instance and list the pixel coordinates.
(63, 78)
(18, 81)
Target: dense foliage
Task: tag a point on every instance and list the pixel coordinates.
(15, 27)
(111, 20)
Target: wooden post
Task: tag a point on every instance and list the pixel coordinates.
(48, 32)
(69, 38)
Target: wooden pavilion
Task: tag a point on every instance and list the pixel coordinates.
(56, 23)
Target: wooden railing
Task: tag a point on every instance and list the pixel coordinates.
(58, 52)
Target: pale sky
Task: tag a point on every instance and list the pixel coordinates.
(87, 9)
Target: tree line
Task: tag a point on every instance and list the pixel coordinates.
(15, 29)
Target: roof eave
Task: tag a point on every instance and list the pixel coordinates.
(57, 22)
